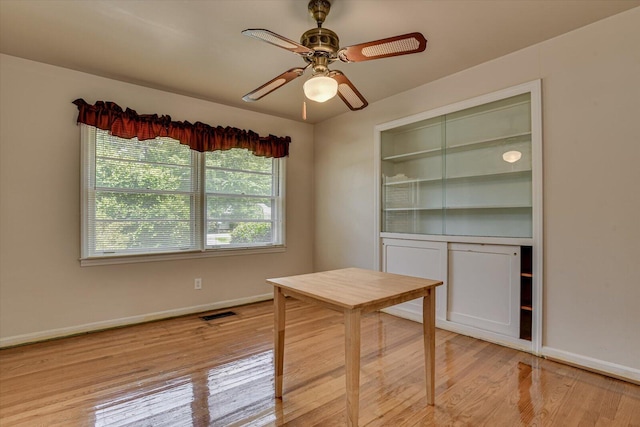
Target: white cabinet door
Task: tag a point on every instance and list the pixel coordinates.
(419, 259)
(484, 287)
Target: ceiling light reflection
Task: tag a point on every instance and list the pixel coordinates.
(512, 156)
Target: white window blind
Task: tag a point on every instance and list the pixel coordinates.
(242, 199)
(158, 196)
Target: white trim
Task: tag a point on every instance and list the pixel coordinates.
(125, 321)
(462, 105)
(482, 334)
(404, 312)
(506, 341)
(537, 214)
(282, 200)
(377, 203)
(589, 363)
(87, 171)
(584, 362)
(132, 259)
(511, 241)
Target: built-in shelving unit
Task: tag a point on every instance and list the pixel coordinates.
(526, 294)
(460, 200)
(454, 164)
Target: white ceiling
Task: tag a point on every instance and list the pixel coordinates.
(194, 47)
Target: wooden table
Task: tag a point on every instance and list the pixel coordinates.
(355, 291)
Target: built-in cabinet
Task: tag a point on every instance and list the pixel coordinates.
(418, 258)
(484, 287)
(460, 201)
(467, 173)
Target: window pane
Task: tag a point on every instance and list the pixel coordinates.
(142, 176)
(117, 206)
(229, 208)
(243, 219)
(239, 233)
(142, 236)
(147, 197)
(157, 212)
(157, 164)
(133, 222)
(234, 182)
(159, 150)
(239, 159)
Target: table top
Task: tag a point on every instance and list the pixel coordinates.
(355, 288)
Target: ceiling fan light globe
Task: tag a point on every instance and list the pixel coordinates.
(320, 88)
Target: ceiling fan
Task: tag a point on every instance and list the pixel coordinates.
(319, 47)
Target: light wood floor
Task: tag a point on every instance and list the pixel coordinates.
(188, 372)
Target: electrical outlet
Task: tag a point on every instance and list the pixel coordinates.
(197, 283)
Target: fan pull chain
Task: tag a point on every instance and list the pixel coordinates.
(304, 110)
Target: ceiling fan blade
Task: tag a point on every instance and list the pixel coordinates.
(348, 92)
(277, 40)
(273, 84)
(384, 48)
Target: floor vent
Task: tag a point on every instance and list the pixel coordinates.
(218, 315)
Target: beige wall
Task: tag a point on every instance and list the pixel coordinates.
(43, 289)
(591, 142)
(591, 106)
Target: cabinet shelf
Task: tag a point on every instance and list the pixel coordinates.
(494, 175)
(456, 208)
(411, 209)
(488, 207)
(471, 145)
(482, 143)
(412, 181)
(412, 156)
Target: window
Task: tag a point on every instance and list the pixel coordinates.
(158, 197)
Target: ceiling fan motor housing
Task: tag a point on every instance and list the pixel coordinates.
(319, 9)
(325, 44)
(321, 39)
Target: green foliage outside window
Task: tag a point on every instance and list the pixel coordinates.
(146, 195)
(251, 232)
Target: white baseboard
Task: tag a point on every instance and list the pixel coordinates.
(601, 366)
(401, 311)
(406, 313)
(114, 323)
(493, 337)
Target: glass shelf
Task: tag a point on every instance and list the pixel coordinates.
(503, 140)
(435, 208)
(413, 156)
(448, 174)
(484, 143)
(412, 181)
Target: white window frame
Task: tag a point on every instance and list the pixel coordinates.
(88, 141)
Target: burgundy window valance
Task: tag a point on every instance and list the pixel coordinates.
(199, 136)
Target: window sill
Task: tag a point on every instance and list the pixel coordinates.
(131, 259)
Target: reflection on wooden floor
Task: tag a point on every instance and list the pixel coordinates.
(188, 372)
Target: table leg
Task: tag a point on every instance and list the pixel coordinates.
(352, 364)
(278, 329)
(429, 328)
